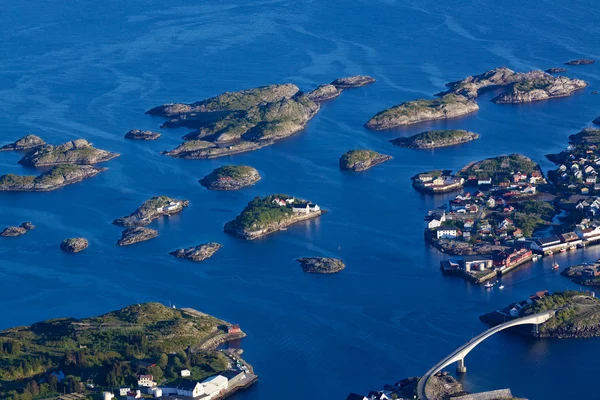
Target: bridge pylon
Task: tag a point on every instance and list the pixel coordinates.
(460, 367)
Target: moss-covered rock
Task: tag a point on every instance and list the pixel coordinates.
(436, 138)
(25, 143)
(135, 235)
(321, 265)
(361, 160)
(137, 134)
(197, 253)
(230, 177)
(55, 178)
(352, 81)
(78, 151)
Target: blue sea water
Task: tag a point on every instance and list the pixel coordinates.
(91, 69)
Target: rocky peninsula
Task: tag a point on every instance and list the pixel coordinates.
(12, 231)
(57, 177)
(580, 61)
(74, 245)
(436, 138)
(587, 274)
(361, 160)
(352, 81)
(321, 265)
(413, 112)
(324, 92)
(78, 151)
(197, 253)
(230, 177)
(577, 315)
(25, 143)
(263, 216)
(151, 209)
(136, 235)
(137, 134)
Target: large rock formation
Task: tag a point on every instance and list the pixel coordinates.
(12, 231)
(435, 138)
(197, 253)
(135, 235)
(137, 134)
(321, 265)
(361, 160)
(230, 177)
(352, 81)
(151, 209)
(55, 178)
(25, 143)
(324, 92)
(74, 245)
(412, 112)
(78, 151)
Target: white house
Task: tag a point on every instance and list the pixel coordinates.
(215, 384)
(190, 388)
(446, 233)
(279, 202)
(123, 391)
(486, 181)
(313, 207)
(156, 392)
(146, 381)
(301, 208)
(185, 372)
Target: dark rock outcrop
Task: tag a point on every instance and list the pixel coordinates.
(361, 160)
(321, 265)
(324, 92)
(352, 81)
(556, 70)
(12, 231)
(151, 209)
(413, 112)
(74, 245)
(230, 177)
(25, 143)
(596, 121)
(57, 177)
(197, 253)
(78, 151)
(580, 61)
(135, 235)
(138, 134)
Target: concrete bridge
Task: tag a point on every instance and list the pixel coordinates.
(459, 354)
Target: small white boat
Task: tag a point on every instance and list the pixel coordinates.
(501, 287)
(554, 266)
(489, 285)
(535, 257)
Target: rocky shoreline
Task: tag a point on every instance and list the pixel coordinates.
(197, 253)
(271, 228)
(587, 274)
(25, 143)
(79, 152)
(230, 177)
(13, 231)
(151, 209)
(361, 160)
(435, 138)
(321, 265)
(135, 235)
(580, 61)
(57, 177)
(324, 93)
(416, 111)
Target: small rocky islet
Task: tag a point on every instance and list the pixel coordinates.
(230, 177)
(580, 61)
(197, 253)
(135, 235)
(79, 152)
(13, 231)
(361, 160)
(324, 92)
(435, 138)
(74, 245)
(137, 134)
(321, 265)
(153, 208)
(57, 177)
(352, 81)
(25, 143)
(556, 70)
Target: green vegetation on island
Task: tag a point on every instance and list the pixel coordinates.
(412, 112)
(360, 160)
(25, 143)
(499, 167)
(78, 151)
(435, 138)
(230, 177)
(58, 176)
(147, 338)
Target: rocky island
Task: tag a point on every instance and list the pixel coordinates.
(78, 151)
(25, 143)
(324, 92)
(413, 112)
(135, 235)
(151, 209)
(263, 216)
(236, 122)
(112, 345)
(361, 160)
(352, 81)
(321, 265)
(500, 167)
(137, 134)
(577, 314)
(197, 253)
(587, 274)
(556, 70)
(580, 61)
(12, 231)
(57, 177)
(74, 245)
(230, 177)
(435, 138)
